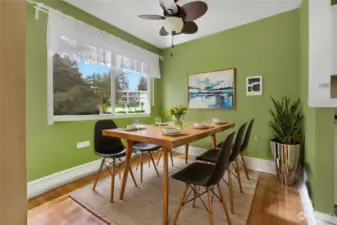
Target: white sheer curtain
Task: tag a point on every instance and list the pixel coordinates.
(83, 42)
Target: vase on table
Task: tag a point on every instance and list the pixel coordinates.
(177, 121)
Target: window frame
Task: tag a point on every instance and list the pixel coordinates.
(67, 118)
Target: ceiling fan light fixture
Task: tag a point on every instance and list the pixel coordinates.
(174, 24)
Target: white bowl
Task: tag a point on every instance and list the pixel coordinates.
(170, 130)
(199, 125)
(131, 127)
(216, 120)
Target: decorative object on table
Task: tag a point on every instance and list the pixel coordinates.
(177, 113)
(200, 126)
(170, 131)
(286, 124)
(212, 90)
(217, 121)
(254, 86)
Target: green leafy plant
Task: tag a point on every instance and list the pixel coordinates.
(286, 121)
(177, 111)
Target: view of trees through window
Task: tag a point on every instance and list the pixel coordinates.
(85, 89)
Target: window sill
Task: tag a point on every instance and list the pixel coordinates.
(98, 117)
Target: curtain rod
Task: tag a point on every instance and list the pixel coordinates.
(39, 6)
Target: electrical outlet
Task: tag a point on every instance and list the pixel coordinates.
(83, 144)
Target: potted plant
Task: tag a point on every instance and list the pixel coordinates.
(177, 113)
(286, 124)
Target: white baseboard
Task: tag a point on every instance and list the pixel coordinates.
(313, 217)
(55, 180)
(261, 165)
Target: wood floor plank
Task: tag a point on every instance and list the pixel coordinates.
(273, 204)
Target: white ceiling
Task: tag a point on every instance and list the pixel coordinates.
(221, 15)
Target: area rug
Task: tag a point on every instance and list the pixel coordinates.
(143, 205)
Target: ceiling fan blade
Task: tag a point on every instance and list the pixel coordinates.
(194, 10)
(163, 32)
(151, 17)
(190, 28)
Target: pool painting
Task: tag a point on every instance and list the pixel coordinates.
(212, 90)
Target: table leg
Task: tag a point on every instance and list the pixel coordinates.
(186, 153)
(165, 185)
(213, 141)
(129, 147)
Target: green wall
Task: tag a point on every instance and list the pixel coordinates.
(269, 47)
(51, 149)
(318, 131)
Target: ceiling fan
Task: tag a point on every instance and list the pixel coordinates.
(178, 19)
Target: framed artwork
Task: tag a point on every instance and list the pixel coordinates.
(254, 86)
(212, 90)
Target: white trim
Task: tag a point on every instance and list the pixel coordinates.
(97, 117)
(313, 217)
(262, 165)
(52, 181)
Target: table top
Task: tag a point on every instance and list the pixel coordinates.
(152, 134)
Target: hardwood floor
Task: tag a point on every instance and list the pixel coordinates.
(273, 204)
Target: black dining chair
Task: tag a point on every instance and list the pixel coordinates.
(211, 156)
(244, 145)
(208, 176)
(108, 148)
(146, 148)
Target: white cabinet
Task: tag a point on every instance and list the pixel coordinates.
(321, 26)
(335, 187)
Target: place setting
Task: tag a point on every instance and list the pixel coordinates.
(136, 126)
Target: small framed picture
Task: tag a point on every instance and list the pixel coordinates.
(254, 86)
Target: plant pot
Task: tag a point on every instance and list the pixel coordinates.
(287, 160)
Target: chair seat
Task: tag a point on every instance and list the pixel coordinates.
(140, 146)
(113, 155)
(195, 173)
(209, 156)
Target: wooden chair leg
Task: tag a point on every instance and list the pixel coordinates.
(138, 164)
(195, 194)
(133, 177)
(244, 166)
(186, 153)
(180, 205)
(230, 187)
(119, 172)
(98, 174)
(159, 157)
(238, 174)
(224, 205)
(141, 167)
(171, 154)
(112, 190)
(154, 164)
(210, 207)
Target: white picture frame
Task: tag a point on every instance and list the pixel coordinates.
(254, 86)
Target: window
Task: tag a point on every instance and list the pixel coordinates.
(86, 88)
(94, 75)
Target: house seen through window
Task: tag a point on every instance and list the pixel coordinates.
(84, 88)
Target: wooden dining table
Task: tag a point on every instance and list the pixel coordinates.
(152, 135)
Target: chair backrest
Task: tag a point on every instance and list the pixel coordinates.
(238, 142)
(221, 164)
(105, 144)
(247, 136)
